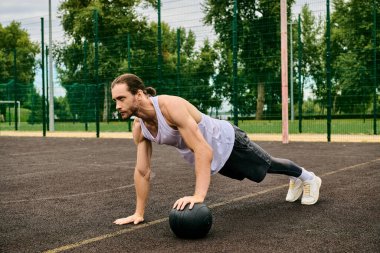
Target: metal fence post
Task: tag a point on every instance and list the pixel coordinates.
(129, 71)
(159, 44)
(234, 63)
(43, 79)
(47, 88)
(374, 9)
(85, 70)
(178, 59)
(96, 66)
(300, 91)
(15, 88)
(328, 69)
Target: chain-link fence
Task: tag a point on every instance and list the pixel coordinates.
(222, 56)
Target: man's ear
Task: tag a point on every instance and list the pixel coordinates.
(139, 94)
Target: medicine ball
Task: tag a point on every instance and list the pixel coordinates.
(194, 223)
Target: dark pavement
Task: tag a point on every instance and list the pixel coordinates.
(64, 193)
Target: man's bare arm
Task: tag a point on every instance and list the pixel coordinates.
(141, 176)
(185, 121)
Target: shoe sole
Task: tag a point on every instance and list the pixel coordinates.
(319, 181)
(295, 199)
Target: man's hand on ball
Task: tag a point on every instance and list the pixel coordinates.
(181, 203)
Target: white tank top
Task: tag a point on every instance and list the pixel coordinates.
(219, 134)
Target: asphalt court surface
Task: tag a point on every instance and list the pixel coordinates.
(62, 195)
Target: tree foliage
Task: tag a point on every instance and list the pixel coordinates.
(118, 23)
(309, 47)
(205, 74)
(259, 53)
(15, 41)
(352, 54)
(258, 32)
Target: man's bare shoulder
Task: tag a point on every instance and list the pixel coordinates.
(136, 123)
(167, 102)
(167, 99)
(182, 107)
(136, 131)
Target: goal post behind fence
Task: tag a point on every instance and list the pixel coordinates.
(17, 106)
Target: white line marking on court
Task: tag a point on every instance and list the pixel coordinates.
(31, 164)
(46, 151)
(113, 164)
(151, 223)
(67, 196)
(102, 237)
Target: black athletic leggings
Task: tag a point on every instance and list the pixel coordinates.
(249, 160)
(284, 166)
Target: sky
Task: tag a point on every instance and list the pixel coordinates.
(175, 12)
(178, 13)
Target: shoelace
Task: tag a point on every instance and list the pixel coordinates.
(306, 189)
(291, 185)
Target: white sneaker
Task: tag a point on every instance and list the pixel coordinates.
(295, 190)
(311, 191)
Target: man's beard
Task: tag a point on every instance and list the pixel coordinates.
(132, 112)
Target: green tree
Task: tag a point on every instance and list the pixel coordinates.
(313, 54)
(62, 108)
(117, 21)
(259, 50)
(352, 55)
(15, 40)
(198, 85)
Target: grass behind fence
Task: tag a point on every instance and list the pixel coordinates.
(318, 126)
(339, 126)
